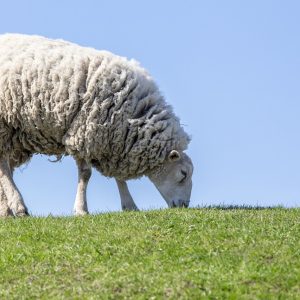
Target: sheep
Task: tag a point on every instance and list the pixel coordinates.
(58, 98)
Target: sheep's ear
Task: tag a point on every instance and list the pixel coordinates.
(174, 155)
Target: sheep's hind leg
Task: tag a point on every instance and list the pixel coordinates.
(84, 174)
(126, 199)
(5, 211)
(14, 197)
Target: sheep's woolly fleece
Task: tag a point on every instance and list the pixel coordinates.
(60, 98)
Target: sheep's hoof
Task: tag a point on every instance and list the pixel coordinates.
(6, 213)
(23, 213)
(81, 213)
(130, 208)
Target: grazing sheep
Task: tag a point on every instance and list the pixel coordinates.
(57, 98)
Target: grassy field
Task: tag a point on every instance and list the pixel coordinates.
(169, 254)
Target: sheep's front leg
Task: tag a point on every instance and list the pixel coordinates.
(5, 211)
(84, 174)
(126, 199)
(14, 197)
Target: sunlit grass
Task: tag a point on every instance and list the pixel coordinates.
(212, 253)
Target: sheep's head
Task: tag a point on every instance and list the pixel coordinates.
(174, 179)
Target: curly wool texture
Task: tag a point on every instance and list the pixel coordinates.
(59, 98)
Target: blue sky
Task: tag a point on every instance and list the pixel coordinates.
(231, 70)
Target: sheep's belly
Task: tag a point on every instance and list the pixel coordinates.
(36, 142)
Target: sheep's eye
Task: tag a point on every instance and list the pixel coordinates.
(184, 174)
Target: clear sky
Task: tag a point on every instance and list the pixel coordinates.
(231, 70)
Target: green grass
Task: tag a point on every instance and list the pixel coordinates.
(209, 253)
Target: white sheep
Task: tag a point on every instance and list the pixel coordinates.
(57, 98)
